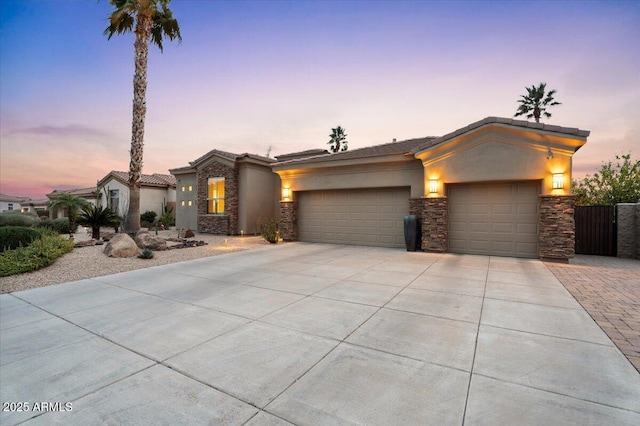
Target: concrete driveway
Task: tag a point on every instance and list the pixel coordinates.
(313, 334)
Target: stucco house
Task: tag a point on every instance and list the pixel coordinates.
(157, 192)
(226, 193)
(495, 187)
(90, 195)
(10, 203)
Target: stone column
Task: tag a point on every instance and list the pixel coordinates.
(628, 230)
(435, 224)
(415, 208)
(288, 221)
(557, 229)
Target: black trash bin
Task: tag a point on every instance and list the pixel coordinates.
(411, 228)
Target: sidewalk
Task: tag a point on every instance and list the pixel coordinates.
(609, 290)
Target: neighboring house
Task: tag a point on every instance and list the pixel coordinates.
(495, 187)
(90, 195)
(226, 193)
(10, 203)
(39, 206)
(157, 192)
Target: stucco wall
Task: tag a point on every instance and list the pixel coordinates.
(499, 161)
(123, 197)
(381, 175)
(257, 193)
(186, 215)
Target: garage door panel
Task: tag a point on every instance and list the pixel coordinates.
(367, 217)
(494, 219)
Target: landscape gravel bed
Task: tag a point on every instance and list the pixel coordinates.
(90, 262)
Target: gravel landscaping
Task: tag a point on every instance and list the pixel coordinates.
(90, 262)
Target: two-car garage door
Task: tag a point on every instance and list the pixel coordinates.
(370, 217)
(494, 219)
(491, 219)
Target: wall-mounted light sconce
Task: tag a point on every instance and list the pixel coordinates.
(557, 181)
(433, 186)
(286, 193)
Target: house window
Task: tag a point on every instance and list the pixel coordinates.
(190, 188)
(191, 203)
(10, 207)
(183, 189)
(114, 200)
(182, 203)
(215, 196)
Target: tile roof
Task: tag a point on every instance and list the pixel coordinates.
(80, 192)
(155, 179)
(231, 156)
(507, 121)
(301, 154)
(393, 148)
(13, 198)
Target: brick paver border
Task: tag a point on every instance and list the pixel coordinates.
(608, 288)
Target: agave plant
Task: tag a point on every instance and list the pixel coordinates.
(146, 254)
(96, 217)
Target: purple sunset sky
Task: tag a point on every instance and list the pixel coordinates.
(254, 75)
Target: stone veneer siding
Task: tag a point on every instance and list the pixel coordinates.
(628, 224)
(415, 209)
(226, 224)
(435, 224)
(557, 229)
(288, 221)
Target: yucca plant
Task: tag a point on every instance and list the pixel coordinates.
(96, 217)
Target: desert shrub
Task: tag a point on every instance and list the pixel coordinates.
(42, 252)
(148, 216)
(45, 223)
(12, 237)
(17, 218)
(61, 225)
(270, 230)
(146, 254)
(168, 220)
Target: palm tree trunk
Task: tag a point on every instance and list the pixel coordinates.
(141, 49)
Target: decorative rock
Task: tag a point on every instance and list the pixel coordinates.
(121, 245)
(145, 240)
(86, 243)
(188, 233)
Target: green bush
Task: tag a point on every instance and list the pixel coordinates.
(42, 252)
(148, 216)
(61, 225)
(270, 230)
(18, 219)
(168, 220)
(12, 237)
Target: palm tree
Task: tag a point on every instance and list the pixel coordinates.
(535, 103)
(153, 21)
(338, 139)
(96, 217)
(71, 204)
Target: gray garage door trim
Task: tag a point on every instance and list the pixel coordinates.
(498, 219)
(370, 217)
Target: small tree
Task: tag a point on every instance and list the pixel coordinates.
(338, 140)
(71, 203)
(614, 183)
(535, 102)
(96, 217)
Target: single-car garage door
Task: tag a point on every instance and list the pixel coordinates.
(494, 219)
(370, 217)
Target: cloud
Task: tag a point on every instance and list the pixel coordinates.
(69, 130)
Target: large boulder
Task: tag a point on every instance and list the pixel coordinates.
(121, 245)
(145, 240)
